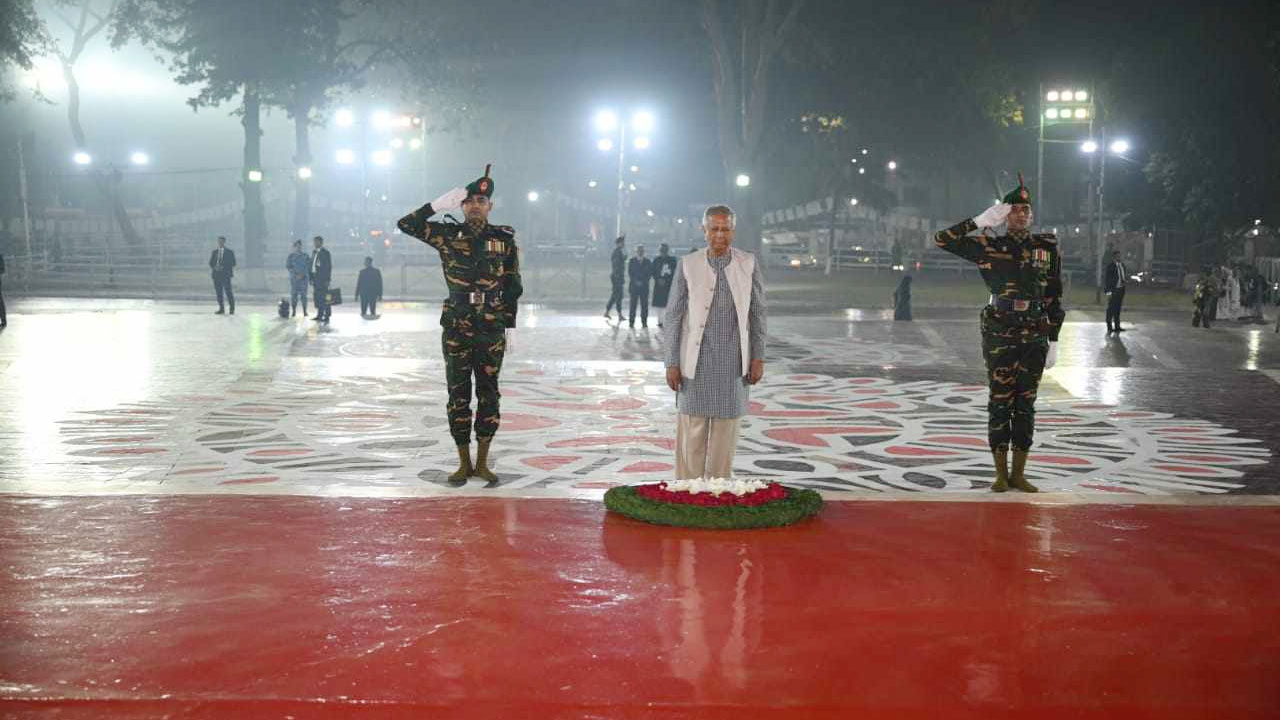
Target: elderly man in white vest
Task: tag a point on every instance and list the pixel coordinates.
(715, 346)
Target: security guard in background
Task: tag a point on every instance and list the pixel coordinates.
(482, 271)
(1024, 272)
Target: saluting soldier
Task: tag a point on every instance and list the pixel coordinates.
(482, 271)
(1024, 272)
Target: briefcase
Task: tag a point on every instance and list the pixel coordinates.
(334, 297)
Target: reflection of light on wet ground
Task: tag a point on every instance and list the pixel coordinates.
(79, 361)
(1255, 345)
(1080, 382)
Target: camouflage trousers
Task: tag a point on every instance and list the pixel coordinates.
(1013, 375)
(469, 352)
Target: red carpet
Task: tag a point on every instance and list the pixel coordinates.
(274, 607)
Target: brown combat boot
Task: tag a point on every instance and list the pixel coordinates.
(1016, 478)
(1001, 458)
(464, 465)
(482, 470)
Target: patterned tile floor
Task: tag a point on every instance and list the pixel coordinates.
(243, 517)
(137, 397)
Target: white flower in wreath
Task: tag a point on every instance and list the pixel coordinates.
(715, 486)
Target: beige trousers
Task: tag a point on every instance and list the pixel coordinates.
(705, 446)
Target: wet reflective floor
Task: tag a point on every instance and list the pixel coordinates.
(206, 516)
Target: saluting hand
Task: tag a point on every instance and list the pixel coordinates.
(673, 378)
(451, 200)
(993, 216)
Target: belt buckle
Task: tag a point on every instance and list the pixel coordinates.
(1021, 305)
(475, 298)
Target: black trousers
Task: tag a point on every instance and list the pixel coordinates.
(616, 297)
(640, 295)
(1113, 308)
(222, 286)
(322, 300)
(368, 306)
(4, 319)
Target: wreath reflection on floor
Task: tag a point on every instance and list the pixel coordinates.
(716, 504)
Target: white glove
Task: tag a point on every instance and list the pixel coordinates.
(991, 217)
(451, 200)
(1052, 358)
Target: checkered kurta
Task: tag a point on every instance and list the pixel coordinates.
(718, 388)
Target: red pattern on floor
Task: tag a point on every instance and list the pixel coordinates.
(247, 607)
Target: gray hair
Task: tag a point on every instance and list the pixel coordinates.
(719, 211)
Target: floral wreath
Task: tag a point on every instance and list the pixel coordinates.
(715, 503)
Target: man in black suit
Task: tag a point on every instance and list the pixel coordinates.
(1113, 285)
(222, 263)
(369, 289)
(321, 271)
(639, 270)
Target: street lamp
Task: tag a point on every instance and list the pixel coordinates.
(533, 196)
(255, 176)
(1091, 147)
(607, 123)
(592, 183)
(1064, 104)
(82, 158)
(893, 165)
(140, 158)
(304, 173)
(743, 180)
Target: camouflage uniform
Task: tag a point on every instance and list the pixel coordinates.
(475, 259)
(1205, 293)
(1020, 266)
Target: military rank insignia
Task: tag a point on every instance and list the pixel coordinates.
(496, 247)
(1040, 257)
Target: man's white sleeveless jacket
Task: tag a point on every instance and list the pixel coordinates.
(701, 279)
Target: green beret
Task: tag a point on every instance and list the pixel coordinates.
(482, 186)
(1018, 195)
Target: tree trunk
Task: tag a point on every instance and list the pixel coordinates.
(301, 159)
(107, 184)
(745, 40)
(255, 216)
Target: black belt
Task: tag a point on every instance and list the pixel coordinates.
(1004, 304)
(475, 298)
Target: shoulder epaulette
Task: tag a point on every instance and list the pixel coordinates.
(505, 230)
(1047, 237)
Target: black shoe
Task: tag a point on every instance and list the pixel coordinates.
(220, 311)
(233, 311)
(644, 325)
(1119, 330)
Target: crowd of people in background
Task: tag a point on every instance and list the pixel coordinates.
(636, 274)
(312, 272)
(1235, 292)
